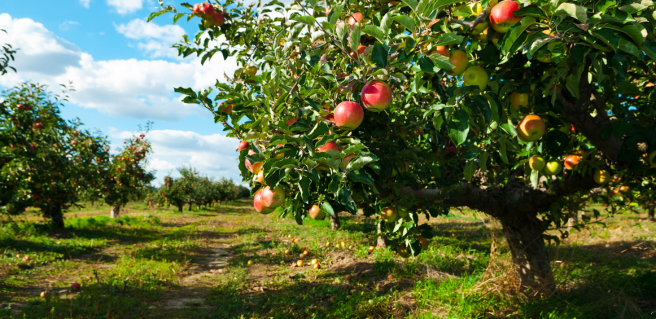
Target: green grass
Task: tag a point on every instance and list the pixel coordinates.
(133, 267)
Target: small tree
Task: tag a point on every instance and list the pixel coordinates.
(45, 161)
(127, 177)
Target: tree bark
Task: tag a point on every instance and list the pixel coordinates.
(189, 206)
(57, 217)
(334, 222)
(381, 242)
(529, 254)
(115, 212)
(651, 214)
(180, 207)
(573, 218)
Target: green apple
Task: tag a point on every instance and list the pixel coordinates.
(536, 163)
(601, 176)
(476, 75)
(553, 168)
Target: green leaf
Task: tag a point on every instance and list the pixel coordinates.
(334, 14)
(448, 39)
(470, 169)
(355, 37)
(515, 34)
(482, 161)
(304, 188)
(535, 178)
(406, 21)
(459, 126)
(360, 162)
(441, 61)
(530, 11)
(379, 55)
(575, 11)
(438, 120)
(374, 31)
(328, 209)
(386, 23)
(502, 150)
(629, 47)
(411, 3)
(573, 80)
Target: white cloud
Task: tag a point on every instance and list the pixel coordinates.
(141, 89)
(154, 39)
(126, 6)
(85, 3)
(67, 25)
(214, 155)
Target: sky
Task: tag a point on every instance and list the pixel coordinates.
(124, 71)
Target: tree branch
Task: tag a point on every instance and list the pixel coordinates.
(471, 25)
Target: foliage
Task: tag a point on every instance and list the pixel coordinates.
(7, 56)
(45, 161)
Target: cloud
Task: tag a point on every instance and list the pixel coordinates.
(141, 89)
(85, 3)
(67, 25)
(214, 155)
(125, 6)
(154, 39)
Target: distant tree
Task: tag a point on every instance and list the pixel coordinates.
(45, 161)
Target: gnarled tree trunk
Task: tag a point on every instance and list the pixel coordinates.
(529, 254)
(115, 211)
(651, 214)
(381, 242)
(57, 217)
(180, 207)
(334, 222)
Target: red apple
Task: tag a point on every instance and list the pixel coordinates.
(196, 9)
(253, 168)
(258, 203)
(206, 10)
(517, 100)
(442, 50)
(502, 16)
(459, 60)
(328, 146)
(531, 128)
(571, 161)
(242, 146)
(376, 96)
(75, 286)
(348, 115)
(291, 122)
(355, 18)
(273, 198)
(216, 19)
(227, 109)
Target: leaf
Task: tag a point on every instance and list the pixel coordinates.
(482, 161)
(441, 61)
(406, 21)
(502, 150)
(438, 120)
(448, 39)
(360, 162)
(411, 3)
(575, 11)
(304, 188)
(358, 176)
(328, 209)
(535, 178)
(530, 11)
(374, 31)
(334, 14)
(355, 37)
(379, 55)
(515, 33)
(470, 169)
(341, 30)
(386, 23)
(459, 126)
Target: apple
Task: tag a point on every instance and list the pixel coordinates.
(553, 168)
(317, 213)
(624, 189)
(442, 50)
(355, 18)
(652, 159)
(502, 16)
(26, 258)
(371, 249)
(75, 286)
(46, 294)
(251, 71)
(273, 198)
(328, 146)
(253, 168)
(347, 277)
(571, 161)
(258, 203)
(544, 56)
(260, 177)
(250, 263)
(423, 241)
(206, 10)
(403, 252)
(518, 99)
(300, 263)
(459, 60)
(216, 19)
(601, 176)
(536, 162)
(475, 75)
(227, 109)
(376, 96)
(389, 214)
(196, 10)
(348, 115)
(495, 38)
(346, 161)
(531, 128)
(317, 266)
(242, 145)
(480, 28)
(287, 251)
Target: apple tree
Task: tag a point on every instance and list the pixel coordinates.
(408, 108)
(127, 178)
(45, 161)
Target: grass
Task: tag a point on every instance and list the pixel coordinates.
(163, 264)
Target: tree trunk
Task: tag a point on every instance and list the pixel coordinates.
(381, 242)
(334, 222)
(529, 254)
(57, 217)
(180, 206)
(651, 214)
(189, 206)
(573, 218)
(115, 212)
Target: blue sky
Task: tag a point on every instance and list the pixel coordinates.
(124, 72)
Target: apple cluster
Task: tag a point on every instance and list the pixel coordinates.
(211, 17)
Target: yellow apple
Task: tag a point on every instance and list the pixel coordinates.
(536, 163)
(553, 168)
